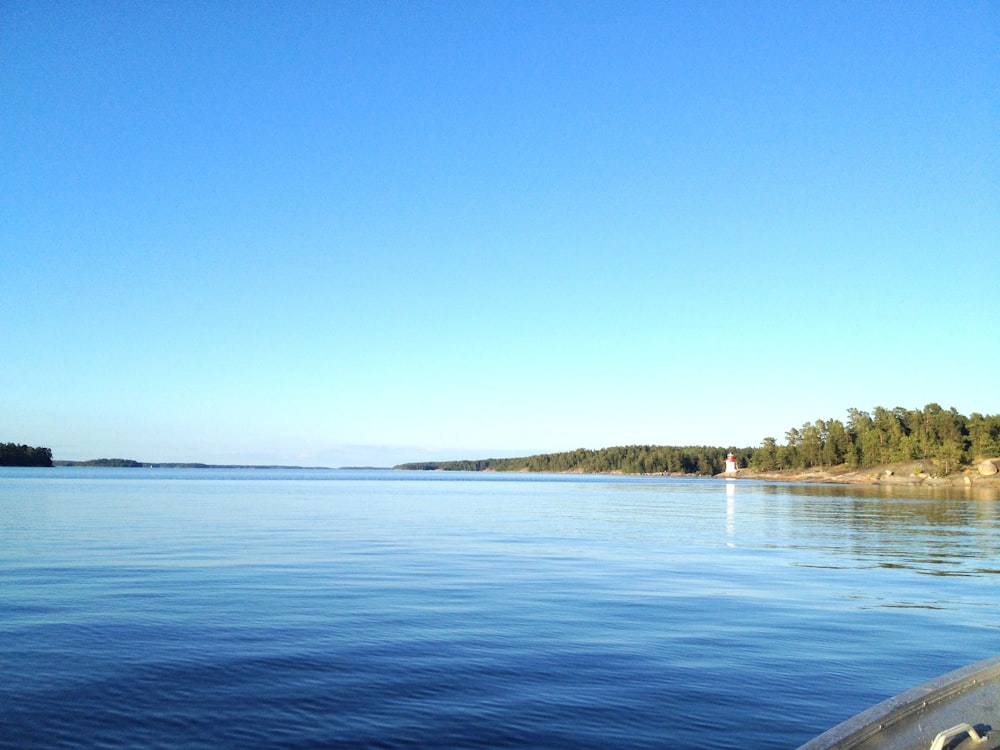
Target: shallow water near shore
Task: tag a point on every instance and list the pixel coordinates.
(268, 608)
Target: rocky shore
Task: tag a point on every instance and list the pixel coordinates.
(912, 473)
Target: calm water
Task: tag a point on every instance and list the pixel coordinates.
(227, 608)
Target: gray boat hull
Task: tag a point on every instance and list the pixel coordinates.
(965, 703)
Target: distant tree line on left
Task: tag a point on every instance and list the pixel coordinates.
(12, 454)
(117, 463)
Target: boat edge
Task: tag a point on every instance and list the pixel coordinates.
(858, 728)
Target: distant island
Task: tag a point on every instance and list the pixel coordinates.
(945, 441)
(127, 463)
(12, 454)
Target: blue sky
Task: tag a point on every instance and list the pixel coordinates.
(363, 233)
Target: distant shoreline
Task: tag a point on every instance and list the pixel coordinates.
(115, 463)
(909, 474)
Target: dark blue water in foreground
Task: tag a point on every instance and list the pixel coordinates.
(228, 608)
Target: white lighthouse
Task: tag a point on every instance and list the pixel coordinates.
(731, 466)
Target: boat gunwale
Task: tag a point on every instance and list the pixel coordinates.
(866, 724)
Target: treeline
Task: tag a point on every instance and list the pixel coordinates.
(884, 436)
(128, 463)
(12, 454)
(116, 463)
(866, 439)
(629, 459)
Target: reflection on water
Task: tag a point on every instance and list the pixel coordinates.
(986, 495)
(730, 514)
(935, 531)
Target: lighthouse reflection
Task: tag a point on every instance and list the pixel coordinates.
(730, 514)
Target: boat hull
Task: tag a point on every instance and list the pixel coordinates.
(918, 718)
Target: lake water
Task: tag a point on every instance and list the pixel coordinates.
(257, 608)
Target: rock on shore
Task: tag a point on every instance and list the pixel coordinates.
(990, 467)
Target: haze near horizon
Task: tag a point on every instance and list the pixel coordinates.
(362, 234)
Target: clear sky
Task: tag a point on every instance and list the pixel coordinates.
(343, 233)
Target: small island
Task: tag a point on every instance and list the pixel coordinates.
(127, 463)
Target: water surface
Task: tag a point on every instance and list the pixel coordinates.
(263, 608)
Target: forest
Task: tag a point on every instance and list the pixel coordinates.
(883, 436)
(629, 459)
(12, 454)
